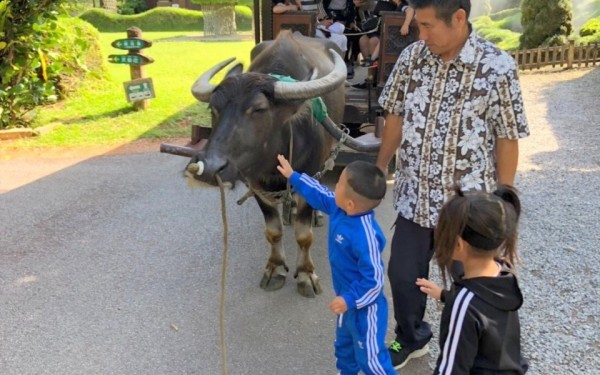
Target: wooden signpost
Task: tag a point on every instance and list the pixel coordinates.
(140, 88)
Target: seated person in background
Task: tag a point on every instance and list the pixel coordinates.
(314, 6)
(333, 29)
(369, 43)
(282, 6)
(337, 9)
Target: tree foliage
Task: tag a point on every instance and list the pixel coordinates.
(27, 28)
(43, 57)
(545, 22)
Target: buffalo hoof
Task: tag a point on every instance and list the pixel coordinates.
(309, 285)
(273, 280)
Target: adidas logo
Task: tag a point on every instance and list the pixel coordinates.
(339, 238)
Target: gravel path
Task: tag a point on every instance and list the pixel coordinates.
(559, 181)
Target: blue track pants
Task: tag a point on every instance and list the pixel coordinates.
(360, 341)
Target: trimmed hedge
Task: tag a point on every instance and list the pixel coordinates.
(160, 19)
(243, 18)
(157, 19)
(591, 27)
(499, 32)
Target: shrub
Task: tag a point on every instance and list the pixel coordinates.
(591, 27)
(545, 20)
(595, 38)
(555, 40)
(76, 57)
(28, 30)
(132, 7)
(243, 18)
(498, 16)
(157, 19)
(495, 32)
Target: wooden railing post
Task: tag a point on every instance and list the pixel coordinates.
(571, 54)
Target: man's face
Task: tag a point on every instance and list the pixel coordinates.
(440, 37)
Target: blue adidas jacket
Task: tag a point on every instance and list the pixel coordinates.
(355, 244)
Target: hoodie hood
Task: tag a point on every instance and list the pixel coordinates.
(502, 291)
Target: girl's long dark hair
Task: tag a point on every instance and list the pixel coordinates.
(487, 221)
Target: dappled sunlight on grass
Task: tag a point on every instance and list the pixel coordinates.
(99, 113)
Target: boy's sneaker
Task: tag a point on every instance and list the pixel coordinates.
(401, 356)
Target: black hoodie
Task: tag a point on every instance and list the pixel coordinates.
(480, 332)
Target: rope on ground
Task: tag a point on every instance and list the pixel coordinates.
(223, 280)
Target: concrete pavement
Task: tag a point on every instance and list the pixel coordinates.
(111, 265)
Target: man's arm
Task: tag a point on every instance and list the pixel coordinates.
(507, 157)
(390, 140)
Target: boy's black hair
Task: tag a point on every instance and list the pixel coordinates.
(366, 179)
(444, 9)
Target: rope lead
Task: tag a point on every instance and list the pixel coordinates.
(223, 279)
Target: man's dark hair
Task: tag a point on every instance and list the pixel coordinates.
(366, 179)
(444, 9)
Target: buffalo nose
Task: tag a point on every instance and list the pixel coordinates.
(196, 168)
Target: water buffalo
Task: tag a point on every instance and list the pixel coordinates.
(255, 116)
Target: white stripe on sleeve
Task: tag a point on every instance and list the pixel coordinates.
(459, 309)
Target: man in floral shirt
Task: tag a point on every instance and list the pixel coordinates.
(454, 115)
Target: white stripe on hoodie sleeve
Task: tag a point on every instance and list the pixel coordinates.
(459, 309)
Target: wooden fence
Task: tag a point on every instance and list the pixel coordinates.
(568, 55)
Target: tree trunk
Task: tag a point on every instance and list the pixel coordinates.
(219, 20)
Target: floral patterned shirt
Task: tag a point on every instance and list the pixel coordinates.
(452, 114)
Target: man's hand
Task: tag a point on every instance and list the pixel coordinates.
(284, 166)
(430, 288)
(404, 30)
(338, 305)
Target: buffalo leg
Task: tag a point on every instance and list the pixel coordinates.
(276, 269)
(307, 280)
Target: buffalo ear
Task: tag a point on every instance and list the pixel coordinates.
(235, 70)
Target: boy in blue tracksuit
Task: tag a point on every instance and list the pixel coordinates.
(355, 243)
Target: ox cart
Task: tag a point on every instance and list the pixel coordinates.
(362, 115)
(293, 96)
(362, 118)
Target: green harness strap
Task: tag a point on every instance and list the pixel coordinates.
(317, 105)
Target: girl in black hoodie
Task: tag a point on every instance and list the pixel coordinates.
(475, 242)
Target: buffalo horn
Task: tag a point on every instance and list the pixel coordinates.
(312, 89)
(202, 88)
(350, 142)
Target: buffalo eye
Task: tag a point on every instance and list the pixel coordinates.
(257, 110)
(260, 110)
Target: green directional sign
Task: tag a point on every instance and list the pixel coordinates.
(131, 43)
(131, 59)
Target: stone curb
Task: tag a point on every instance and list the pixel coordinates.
(16, 133)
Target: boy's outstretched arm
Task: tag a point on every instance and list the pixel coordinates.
(317, 195)
(284, 166)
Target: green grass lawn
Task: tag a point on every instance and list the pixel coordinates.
(99, 113)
